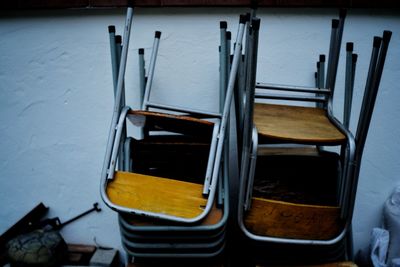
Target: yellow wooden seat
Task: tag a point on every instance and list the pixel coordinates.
(288, 151)
(296, 124)
(174, 123)
(288, 220)
(156, 194)
(212, 218)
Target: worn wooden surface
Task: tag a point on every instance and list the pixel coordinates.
(283, 151)
(283, 219)
(212, 218)
(295, 124)
(173, 123)
(155, 194)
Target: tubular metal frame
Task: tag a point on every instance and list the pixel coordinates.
(249, 154)
(351, 158)
(116, 111)
(116, 129)
(324, 90)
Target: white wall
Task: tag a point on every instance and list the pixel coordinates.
(56, 98)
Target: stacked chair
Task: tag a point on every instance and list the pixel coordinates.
(300, 164)
(170, 185)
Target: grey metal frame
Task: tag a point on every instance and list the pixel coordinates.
(176, 241)
(142, 75)
(161, 231)
(116, 127)
(352, 155)
(250, 141)
(116, 110)
(371, 90)
(251, 69)
(351, 60)
(179, 232)
(324, 90)
(150, 75)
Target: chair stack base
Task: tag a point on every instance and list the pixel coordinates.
(151, 240)
(295, 203)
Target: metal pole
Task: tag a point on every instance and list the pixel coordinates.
(224, 65)
(335, 58)
(321, 77)
(248, 122)
(331, 55)
(117, 142)
(151, 69)
(113, 52)
(241, 88)
(211, 159)
(293, 88)
(225, 171)
(228, 52)
(348, 92)
(142, 76)
(121, 154)
(353, 71)
(368, 104)
(120, 83)
(247, 118)
(227, 105)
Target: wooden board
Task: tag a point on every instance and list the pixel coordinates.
(155, 194)
(287, 151)
(287, 220)
(296, 124)
(212, 218)
(174, 123)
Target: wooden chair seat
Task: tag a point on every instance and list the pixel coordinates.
(288, 151)
(212, 218)
(156, 194)
(174, 123)
(287, 220)
(295, 124)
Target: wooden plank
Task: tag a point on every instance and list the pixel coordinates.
(287, 220)
(212, 218)
(156, 194)
(288, 151)
(174, 123)
(78, 248)
(296, 124)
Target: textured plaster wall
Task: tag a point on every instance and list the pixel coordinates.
(56, 98)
